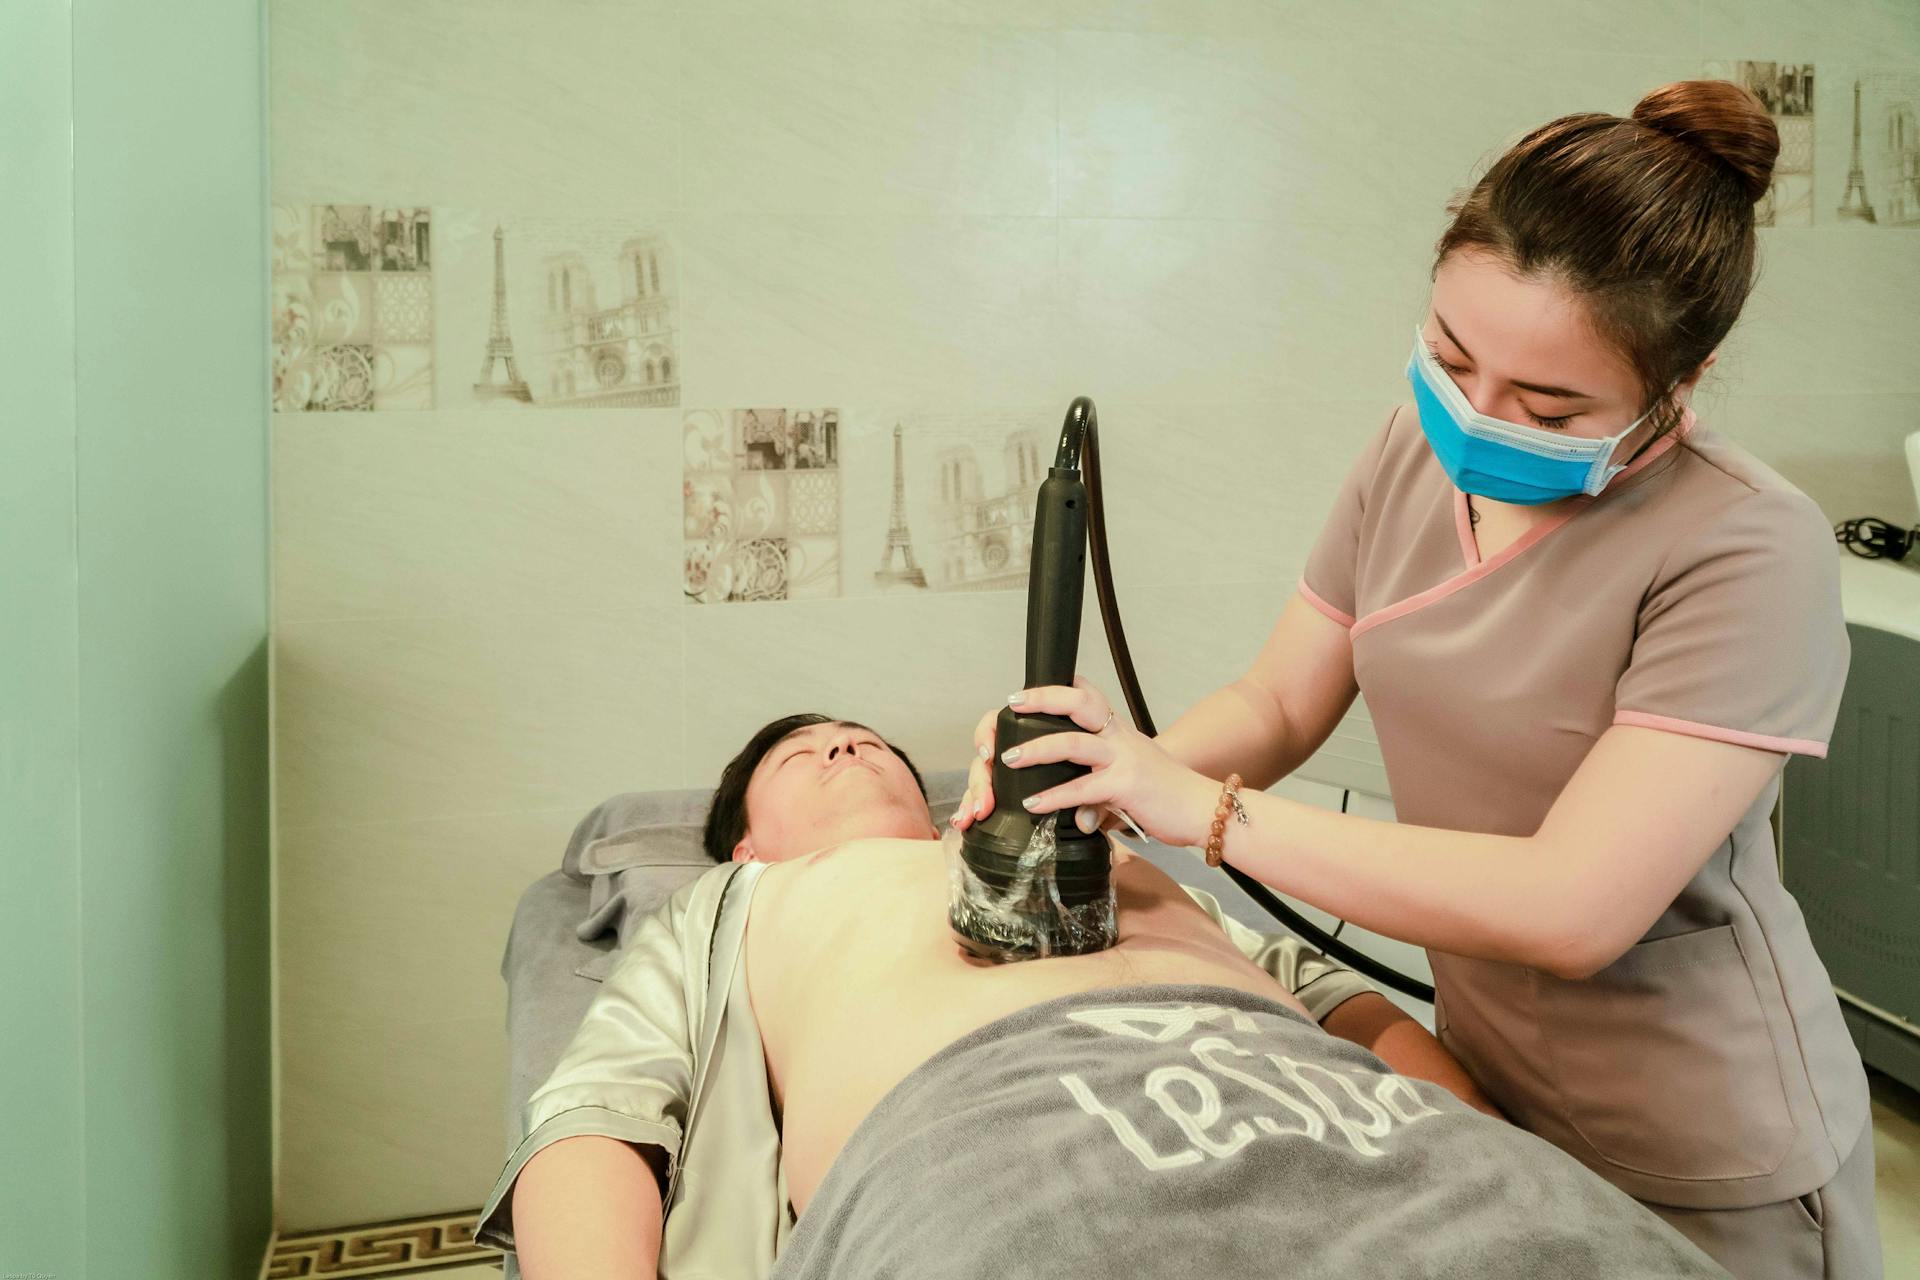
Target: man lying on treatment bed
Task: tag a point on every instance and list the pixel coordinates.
(1164, 1107)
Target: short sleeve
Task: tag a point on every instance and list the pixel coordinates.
(1329, 583)
(628, 1071)
(1741, 637)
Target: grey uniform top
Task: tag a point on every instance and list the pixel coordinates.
(1708, 1067)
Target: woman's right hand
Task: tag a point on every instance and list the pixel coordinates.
(978, 802)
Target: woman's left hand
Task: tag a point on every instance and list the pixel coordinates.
(1131, 771)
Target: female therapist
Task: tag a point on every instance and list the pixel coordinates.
(1589, 631)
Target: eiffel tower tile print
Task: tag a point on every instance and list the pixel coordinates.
(943, 499)
(557, 312)
(1880, 187)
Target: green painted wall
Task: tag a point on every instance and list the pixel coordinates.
(133, 604)
(41, 1203)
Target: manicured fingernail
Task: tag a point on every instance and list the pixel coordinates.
(1010, 754)
(980, 809)
(1029, 802)
(1015, 699)
(985, 751)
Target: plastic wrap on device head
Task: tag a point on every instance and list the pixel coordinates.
(1027, 918)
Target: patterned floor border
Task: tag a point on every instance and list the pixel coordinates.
(403, 1247)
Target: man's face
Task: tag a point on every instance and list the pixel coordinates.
(824, 784)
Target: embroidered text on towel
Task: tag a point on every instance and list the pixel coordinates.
(1305, 1099)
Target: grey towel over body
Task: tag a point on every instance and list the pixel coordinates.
(1181, 1131)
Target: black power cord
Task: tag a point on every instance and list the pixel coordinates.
(1355, 959)
(1340, 925)
(1872, 538)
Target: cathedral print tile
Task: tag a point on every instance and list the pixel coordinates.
(943, 499)
(409, 1247)
(760, 491)
(352, 303)
(556, 313)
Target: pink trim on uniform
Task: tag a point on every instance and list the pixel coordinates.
(1312, 597)
(1739, 738)
(1463, 525)
(1479, 568)
(1466, 579)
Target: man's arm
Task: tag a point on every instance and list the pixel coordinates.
(1347, 1006)
(1379, 1026)
(588, 1208)
(617, 1100)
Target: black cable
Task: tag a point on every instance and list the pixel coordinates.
(1355, 959)
(1872, 538)
(1340, 925)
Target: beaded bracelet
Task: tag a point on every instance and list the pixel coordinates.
(1229, 799)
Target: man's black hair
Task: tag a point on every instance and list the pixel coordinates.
(727, 818)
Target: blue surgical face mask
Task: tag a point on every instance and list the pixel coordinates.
(1505, 461)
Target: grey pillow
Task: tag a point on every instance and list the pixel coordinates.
(620, 820)
(636, 849)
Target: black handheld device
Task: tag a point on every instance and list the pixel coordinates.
(1029, 886)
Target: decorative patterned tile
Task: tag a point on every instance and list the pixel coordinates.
(342, 378)
(815, 502)
(292, 243)
(343, 306)
(403, 240)
(403, 376)
(343, 237)
(403, 308)
(410, 1247)
(813, 568)
(760, 493)
(352, 308)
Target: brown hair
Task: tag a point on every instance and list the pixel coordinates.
(1647, 218)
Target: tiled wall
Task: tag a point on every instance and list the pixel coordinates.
(499, 599)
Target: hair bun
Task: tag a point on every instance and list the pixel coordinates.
(1721, 119)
